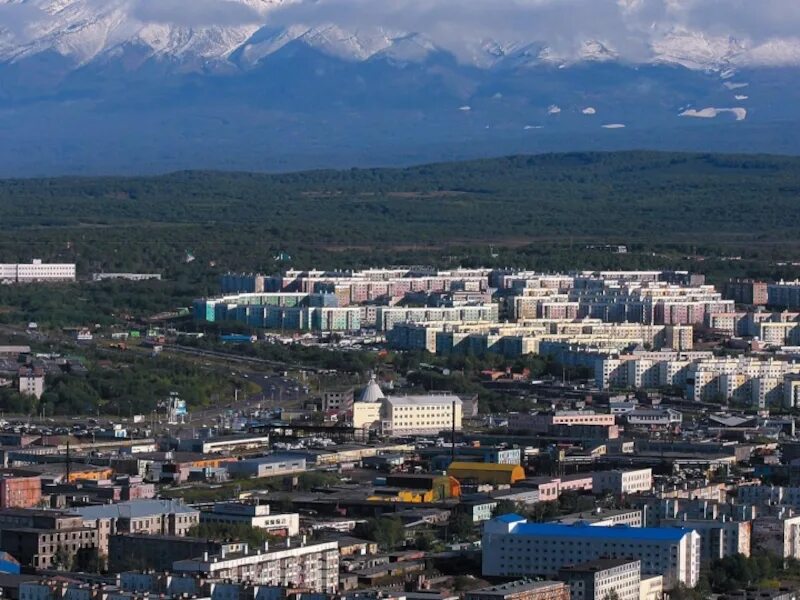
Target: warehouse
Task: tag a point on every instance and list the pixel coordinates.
(486, 473)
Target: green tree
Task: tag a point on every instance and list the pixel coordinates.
(388, 532)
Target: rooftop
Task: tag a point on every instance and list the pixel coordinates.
(583, 531)
(600, 564)
(134, 509)
(515, 587)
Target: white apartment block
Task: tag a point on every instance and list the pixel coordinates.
(314, 566)
(619, 482)
(36, 271)
(718, 538)
(388, 316)
(759, 383)
(254, 515)
(513, 547)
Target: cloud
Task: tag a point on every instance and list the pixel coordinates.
(629, 27)
(746, 31)
(195, 13)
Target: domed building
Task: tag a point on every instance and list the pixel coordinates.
(371, 393)
(367, 409)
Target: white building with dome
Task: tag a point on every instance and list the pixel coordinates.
(398, 416)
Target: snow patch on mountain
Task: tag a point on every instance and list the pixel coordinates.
(712, 113)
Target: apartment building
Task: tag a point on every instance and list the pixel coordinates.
(749, 380)
(513, 547)
(747, 291)
(597, 579)
(718, 537)
(388, 316)
(784, 294)
(156, 517)
(778, 534)
(46, 538)
(314, 566)
(31, 381)
(619, 482)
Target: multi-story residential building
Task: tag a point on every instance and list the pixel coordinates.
(281, 310)
(622, 482)
(597, 579)
(254, 515)
(778, 534)
(337, 401)
(243, 283)
(522, 590)
(747, 380)
(37, 271)
(387, 317)
(31, 381)
(784, 294)
(513, 547)
(718, 537)
(45, 538)
(314, 566)
(156, 517)
(768, 495)
(747, 291)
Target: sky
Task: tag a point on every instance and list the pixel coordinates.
(766, 31)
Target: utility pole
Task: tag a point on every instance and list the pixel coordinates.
(453, 434)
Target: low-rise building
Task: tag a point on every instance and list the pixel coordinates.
(253, 514)
(622, 482)
(267, 466)
(597, 579)
(522, 590)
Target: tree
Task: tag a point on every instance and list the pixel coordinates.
(388, 532)
(461, 526)
(505, 507)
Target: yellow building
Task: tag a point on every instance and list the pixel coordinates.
(486, 472)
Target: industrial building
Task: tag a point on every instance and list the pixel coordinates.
(486, 473)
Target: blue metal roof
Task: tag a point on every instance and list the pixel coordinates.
(617, 532)
(510, 518)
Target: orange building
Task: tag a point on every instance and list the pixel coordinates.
(486, 472)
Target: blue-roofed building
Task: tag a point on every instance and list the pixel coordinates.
(514, 547)
(8, 564)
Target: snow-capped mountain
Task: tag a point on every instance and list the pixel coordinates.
(132, 85)
(200, 31)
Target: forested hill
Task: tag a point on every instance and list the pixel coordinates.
(236, 219)
(519, 196)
